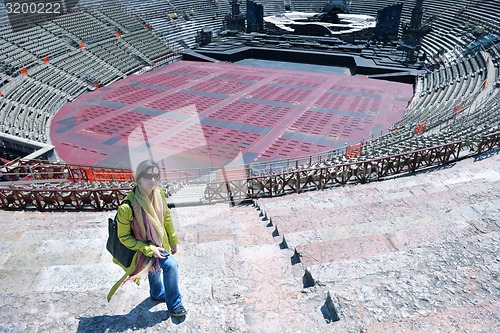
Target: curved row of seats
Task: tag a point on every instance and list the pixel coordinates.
(59, 79)
(442, 94)
(148, 45)
(44, 66)
(94, 64)
(307, 6)
(112, 52)
(63, 188)
(467, 125)
(443, 90)
(181, 21)
(121, 17)
(84, 26)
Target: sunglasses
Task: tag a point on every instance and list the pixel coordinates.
(149, 176)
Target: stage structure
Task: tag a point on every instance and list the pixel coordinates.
(414, 32)
(320, 24)
(255, 17)
(341, 6)
(388, 20)
(235, 20)
(205, 36)
(28, 148)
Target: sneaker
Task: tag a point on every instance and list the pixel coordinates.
(178, 311)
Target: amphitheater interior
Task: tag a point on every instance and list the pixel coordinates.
(397, 233)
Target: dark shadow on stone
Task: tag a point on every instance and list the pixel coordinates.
(435, 168)
(139, 318)
(295, 259)
(326, 314)
(486, 155)
(275, 232)
(283, 245)
(329, 309)
(246, 203)
(307, 280)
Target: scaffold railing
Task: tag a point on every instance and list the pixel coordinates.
(327, 176)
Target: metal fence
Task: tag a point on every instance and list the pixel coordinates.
(327, 176)
(56, 194)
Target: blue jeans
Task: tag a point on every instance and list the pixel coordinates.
(165, 283)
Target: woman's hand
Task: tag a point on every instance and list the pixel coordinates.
(157, 253)
(173, 249)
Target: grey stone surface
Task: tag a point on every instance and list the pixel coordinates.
(410, 254)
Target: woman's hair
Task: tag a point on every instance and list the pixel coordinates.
(144, 167)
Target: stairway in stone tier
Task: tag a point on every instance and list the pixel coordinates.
(414, 253)
(233, 266)
(400, 253)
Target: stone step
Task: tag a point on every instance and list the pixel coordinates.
(415, 283)
(188, 195)
(372, 239)
(399, 187)
(345, 249)
(251, 276)
(269, 295)
(458, 320)
(452, 204)
(247, 232)
(357, 196)
(200, 217)
(376, 244)
(411, 230)
(232, 265)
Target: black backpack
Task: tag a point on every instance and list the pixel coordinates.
(120, 252)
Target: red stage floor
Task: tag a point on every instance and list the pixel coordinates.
(195, 114)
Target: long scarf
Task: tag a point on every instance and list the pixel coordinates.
(147, 226)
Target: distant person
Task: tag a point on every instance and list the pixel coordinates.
(147, 228)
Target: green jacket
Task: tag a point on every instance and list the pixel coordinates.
(124, 219)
